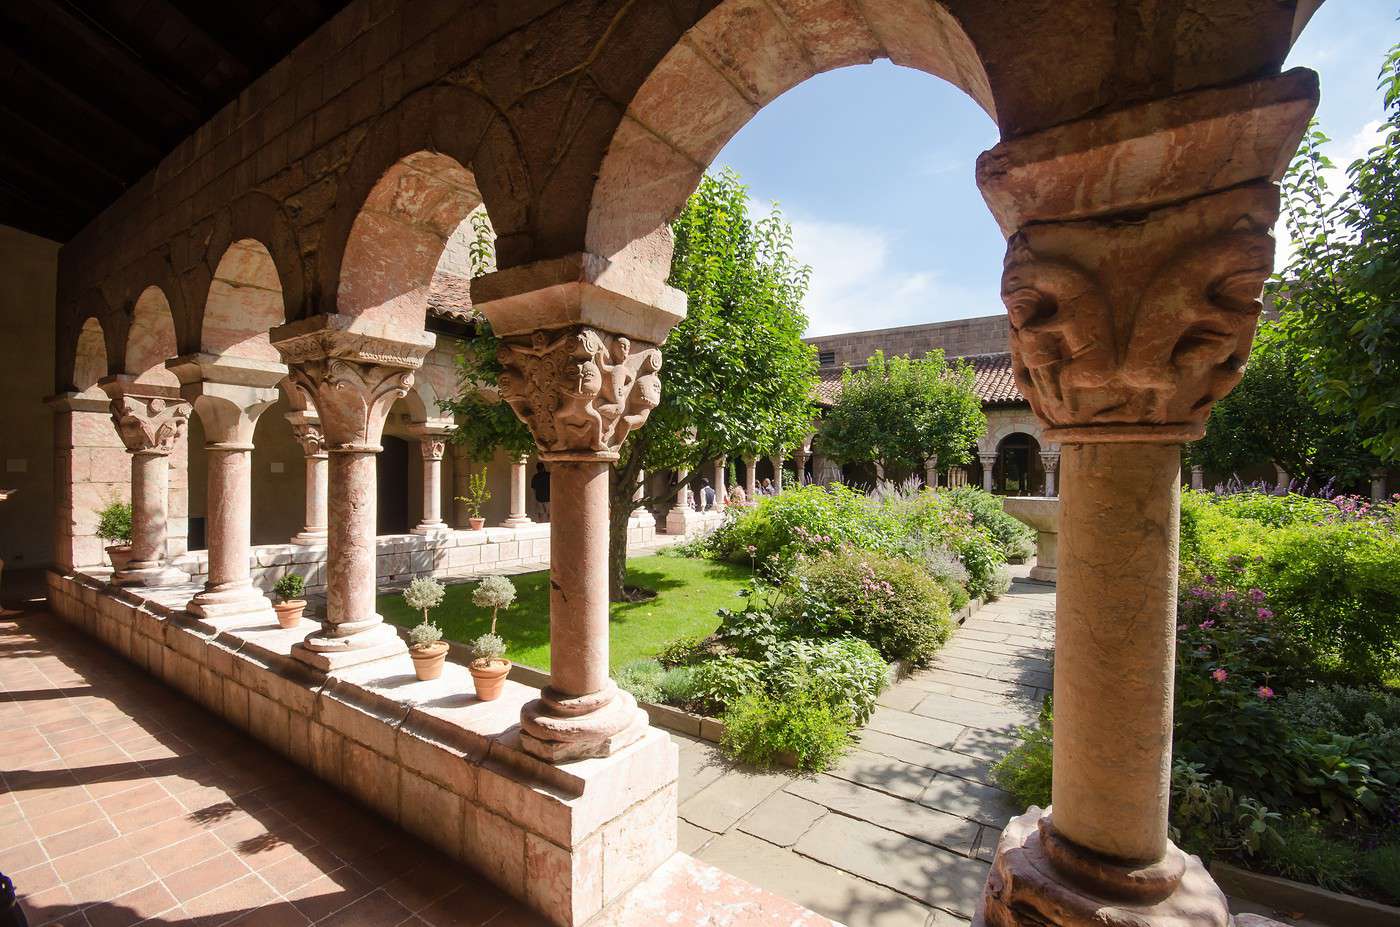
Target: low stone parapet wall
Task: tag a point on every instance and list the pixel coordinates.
(429, 756)
(403, 557)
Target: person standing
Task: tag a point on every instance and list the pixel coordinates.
(539, 485)
(707, 495)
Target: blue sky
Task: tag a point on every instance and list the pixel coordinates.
(874, 167)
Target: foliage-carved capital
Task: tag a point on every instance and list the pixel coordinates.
(581, 391)
(1131, 330)
(310, 437)
(149, 425)
(353, 398)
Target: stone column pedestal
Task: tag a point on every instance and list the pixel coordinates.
(150, 423)
(307, 428)
(642, 517)
(1198, 477)
(519, 517)
(432, 445)
(721, 491)
(229, 394)
(1378, 485)
(353, 376)
(931, 472)
(681, 517)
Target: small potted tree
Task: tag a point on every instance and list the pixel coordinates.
(477, 496)
(114, 527)
(425, 643)
(289, 605)
(489, 666)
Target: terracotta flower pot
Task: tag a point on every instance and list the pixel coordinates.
(428, 661)
(289, 612)
(476, 523)
(120, 555)
(489, 677)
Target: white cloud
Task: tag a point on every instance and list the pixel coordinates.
(856, 285)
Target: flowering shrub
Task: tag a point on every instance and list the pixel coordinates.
(889, 602)
(1329, 567)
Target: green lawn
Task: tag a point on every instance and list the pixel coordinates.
(689, 591)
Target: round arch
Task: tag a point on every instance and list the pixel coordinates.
(244, 303)
(90, 358)
(732, 63)
(151, 339)
(1018, 470)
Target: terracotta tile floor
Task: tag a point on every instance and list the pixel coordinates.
(124, 803)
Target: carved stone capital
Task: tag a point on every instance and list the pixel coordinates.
(149, 424)
(581, 391)
(432, 447)
(352, 375)
(1130, 329)
(1050, 460)
(310, 437)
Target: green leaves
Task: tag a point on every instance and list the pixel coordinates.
(900, 410)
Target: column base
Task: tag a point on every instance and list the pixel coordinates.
(680, 521)
(309, 538)
(1042, 574)
(151, 575)
(244, 602)
(432, 530)
(517, 521)
(1026, 889)
(558, 729)
(328, 653)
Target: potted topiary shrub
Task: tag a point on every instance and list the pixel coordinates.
(114, 526)
(425, 643)
(477, 496)
(289, 605)
(489, 666)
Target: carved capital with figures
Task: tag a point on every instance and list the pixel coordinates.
(149, 424)
(1131, 328)
(580, 390)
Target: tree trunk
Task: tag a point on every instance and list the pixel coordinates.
(620, 508)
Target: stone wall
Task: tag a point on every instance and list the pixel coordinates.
(959, 338)
(428, 756)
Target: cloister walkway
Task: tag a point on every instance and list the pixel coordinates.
(124, 803)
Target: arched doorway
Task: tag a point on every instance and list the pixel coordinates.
(1018, 470)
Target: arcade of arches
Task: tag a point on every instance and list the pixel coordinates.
(283, 276)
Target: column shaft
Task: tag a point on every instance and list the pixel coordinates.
(1114, 637)
(317, 487)
(578, 594)
(518, 515)
(432, 486)
(751, 476)
(777, 472)
(351, 566)
(150, 476)
(228, 521)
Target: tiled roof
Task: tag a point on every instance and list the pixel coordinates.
(993, 380)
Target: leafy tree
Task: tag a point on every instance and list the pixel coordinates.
(900, 410)
(736, 375)
(1340, 294)
(1270, 417)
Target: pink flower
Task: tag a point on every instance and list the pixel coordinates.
(1256, 596)
(1220, 675)
(1264, 692)
(1207, 624)
(1265, 614)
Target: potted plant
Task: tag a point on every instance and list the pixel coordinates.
(476, 497)
(425, 643)
(114, 526)
(289, 605)
(489, 666)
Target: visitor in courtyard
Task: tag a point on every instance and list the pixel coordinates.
(736, 495)
(707, 495)
(539, 484)
(767, 488)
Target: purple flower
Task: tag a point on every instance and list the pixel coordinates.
(1207, 624)
(1264, 614)
(1256, 595)
(1264, 692)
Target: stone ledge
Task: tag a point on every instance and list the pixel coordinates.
(429, 756)
(1309, 900)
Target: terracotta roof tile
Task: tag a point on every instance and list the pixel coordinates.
(993, 380)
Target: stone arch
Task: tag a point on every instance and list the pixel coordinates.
(733, 62)
(1018, 469)
(253, 217)
(421, 163)
(151, 339)
(244, 303)
(134, 282)
(89, 358)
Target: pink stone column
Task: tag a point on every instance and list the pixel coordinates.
(931, 472)
(149, 426)
(1051, 462)
(313, 445)
(229, 395)
(799, 462)
(989, 462)
(777, 461)
(1105, 321)
(353, 378)
(751, 476)
(518, 517)
(432, 445)
(721, 495)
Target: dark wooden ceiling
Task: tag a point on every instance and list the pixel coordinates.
(94, 92)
